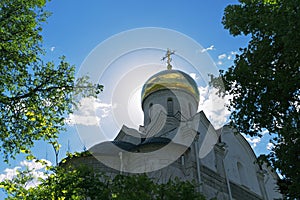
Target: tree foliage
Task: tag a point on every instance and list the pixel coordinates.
(84, 183)
(265, 80)
(36, 95)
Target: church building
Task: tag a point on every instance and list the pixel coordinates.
(177, 141)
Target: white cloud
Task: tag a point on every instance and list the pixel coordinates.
(233, 52)
(232, 55)
(222, 56)
(254, 141)
(9, 173)
(36, 170)
(33, 165)
(214, 106)
(212, 47)
(220, 63)
(265, 131)
(90, 112)
(194, 76)
(270, 146)
(52, 49)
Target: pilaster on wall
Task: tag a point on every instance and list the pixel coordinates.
(260, 177)
(220, 153)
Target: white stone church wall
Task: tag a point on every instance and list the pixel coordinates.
(239, 163)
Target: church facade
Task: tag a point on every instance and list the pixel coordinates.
(178, 141)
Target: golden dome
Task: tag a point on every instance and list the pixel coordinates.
(170, 79)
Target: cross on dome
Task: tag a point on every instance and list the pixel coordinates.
(168, 57)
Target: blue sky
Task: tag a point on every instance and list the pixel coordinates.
(77, 27)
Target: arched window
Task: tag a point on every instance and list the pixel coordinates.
(170, 106)
(150, 105)
(242, 173)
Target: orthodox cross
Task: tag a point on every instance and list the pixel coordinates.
(169, 59)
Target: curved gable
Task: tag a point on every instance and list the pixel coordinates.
(240, 162)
